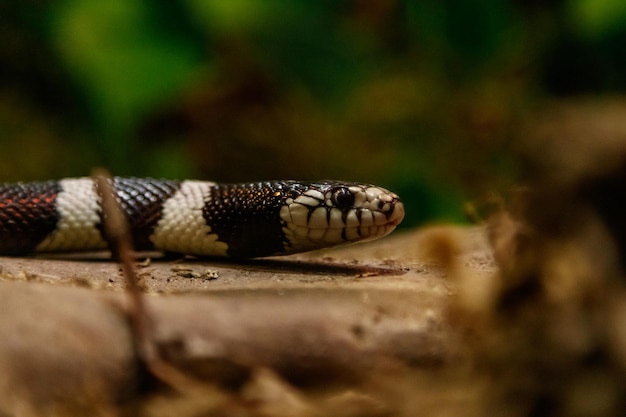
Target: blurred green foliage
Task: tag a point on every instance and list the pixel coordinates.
(424, 96)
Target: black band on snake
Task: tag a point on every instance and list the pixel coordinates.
(197, 217)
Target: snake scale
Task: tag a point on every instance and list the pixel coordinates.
(198, 218)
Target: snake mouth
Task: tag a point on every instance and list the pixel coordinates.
(321, 226)
(394, 217)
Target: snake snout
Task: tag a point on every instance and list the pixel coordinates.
(396, 214)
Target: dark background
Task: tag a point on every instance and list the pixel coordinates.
(427, 98)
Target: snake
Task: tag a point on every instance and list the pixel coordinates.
(197, 218)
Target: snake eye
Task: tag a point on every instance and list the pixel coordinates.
(342, 197)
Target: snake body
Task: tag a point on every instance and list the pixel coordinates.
(196, 217)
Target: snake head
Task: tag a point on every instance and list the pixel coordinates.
(328, 213)
(282, 217)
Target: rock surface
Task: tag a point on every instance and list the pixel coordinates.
(336, 322)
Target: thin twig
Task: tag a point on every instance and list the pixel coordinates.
(118, 234)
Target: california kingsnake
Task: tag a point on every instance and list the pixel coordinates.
(196, 217)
